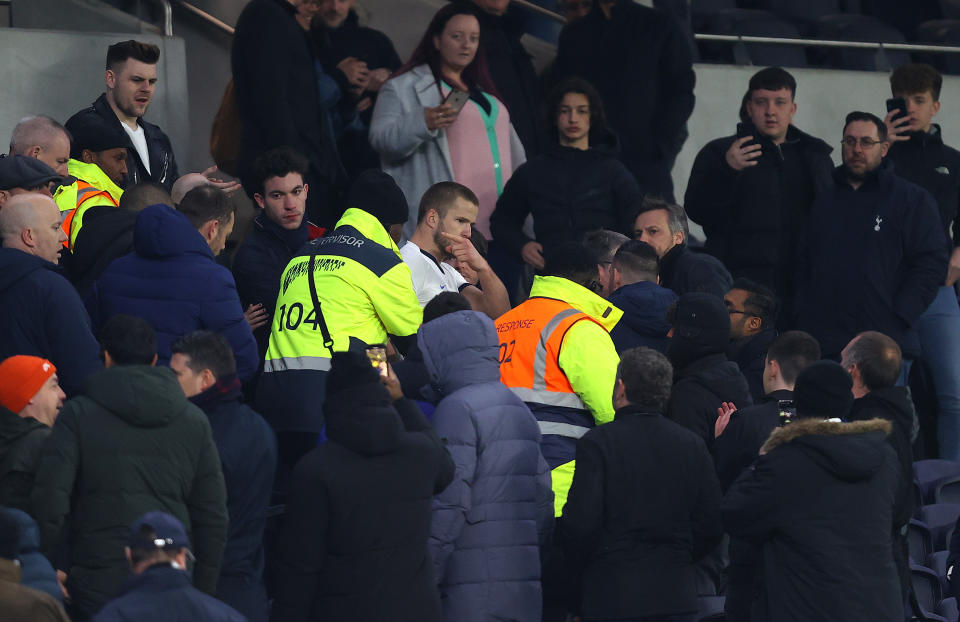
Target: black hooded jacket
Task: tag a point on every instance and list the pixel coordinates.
(354, 540)
(107, 233)
(21, 442)
(684, 270)
(42, 315)
(750, 353)
(700, 387)
(822, 501)
(568, 191)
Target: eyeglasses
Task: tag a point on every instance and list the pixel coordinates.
(865, 142)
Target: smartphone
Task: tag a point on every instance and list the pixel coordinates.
(378, 358)
(456, 99)
(900, 105)
(788, 411)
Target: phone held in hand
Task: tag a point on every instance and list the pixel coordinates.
(378, 358)
(900, 105)
(788, 412)
(456, 99)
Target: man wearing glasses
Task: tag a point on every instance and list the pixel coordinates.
(873, 254)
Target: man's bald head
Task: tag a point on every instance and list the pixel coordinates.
(44, 138)
(31, 223)
(144, 195)
(186, 183)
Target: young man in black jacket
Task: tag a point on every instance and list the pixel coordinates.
(920, 155)
(636, 559)
(753, 311)
(874, 253)
(752, 191)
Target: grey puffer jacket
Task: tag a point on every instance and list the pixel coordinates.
(488, 524)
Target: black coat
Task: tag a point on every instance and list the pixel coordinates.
(131, 444)
(684, 270)
(569, 192)
(857, 274)
(733, 452)
(21, 444)
(42, 315)
(259, 264)
(354, 540)
(935, 167)
(640, 62)
(751, 216)
(822, 503)
(700, 388)
(163, 165)
(643, 507)
(275, 84)
(248, 456)
(107, 233)
(644, 322)
(511, 69)
(895, 405)
(750, 355)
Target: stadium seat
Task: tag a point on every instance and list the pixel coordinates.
(860, 28)
(753, 23)
(929, 473)
(702, 10)
(926, 588)
(950, 8)
(805, 14)
(947, 491)
(940, 518)
(711, 608)
(937, 562)
(948, 609)
(919, 540)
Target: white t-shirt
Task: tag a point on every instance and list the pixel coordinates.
(430, 277)
(139, 143)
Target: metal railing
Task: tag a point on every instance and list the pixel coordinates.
(167, 17)
(219, 24)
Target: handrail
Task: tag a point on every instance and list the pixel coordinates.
(225, 27)
(828, 43)
(167, 17)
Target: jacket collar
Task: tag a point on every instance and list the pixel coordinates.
(369, 227)
(292, 239)
(794, 136)
(159, 577)
(819, 427)
(578, 297)
(879, 176)
(634, 409)
(226, 389)
(9, 571)
(94, 175)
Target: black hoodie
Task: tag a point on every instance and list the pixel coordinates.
(568, 192)
(821, 500)
(354, 541)
(42, 315)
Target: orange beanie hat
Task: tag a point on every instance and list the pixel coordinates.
(21, 377)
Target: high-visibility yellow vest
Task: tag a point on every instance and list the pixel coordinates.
(91, 188)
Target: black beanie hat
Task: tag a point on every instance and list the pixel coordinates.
(702, 318)
(348, 370)
(823, 389)
(91, 131)
(378, 194)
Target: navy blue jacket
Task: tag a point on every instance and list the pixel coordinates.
(644, 323)
(248, 455)
(162, 593)
(873, 260)
(173, 281)
(35, 569)
(750, 355)
(42, 315)
(488, 524)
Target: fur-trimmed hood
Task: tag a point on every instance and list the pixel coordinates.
(851, 451)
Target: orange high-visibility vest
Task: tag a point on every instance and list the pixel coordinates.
(85, 192)
(531, 336)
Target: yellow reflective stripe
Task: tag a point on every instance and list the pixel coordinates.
(314, 363)
(561, 479)
(549, 398)
(556, 428)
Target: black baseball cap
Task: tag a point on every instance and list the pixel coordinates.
(170, 533)
(19, 171)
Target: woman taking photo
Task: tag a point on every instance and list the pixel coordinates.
(577, 185)
(440, 119)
